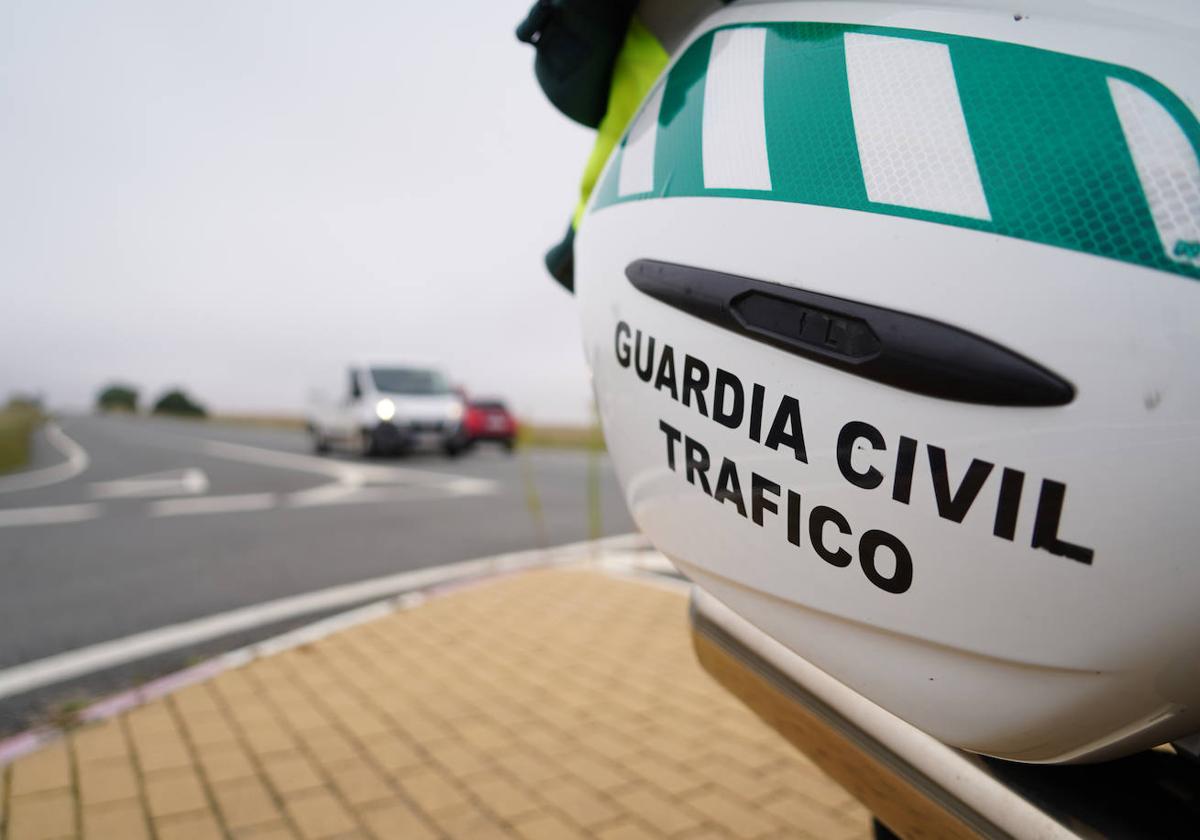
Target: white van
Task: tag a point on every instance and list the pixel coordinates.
(390, 409)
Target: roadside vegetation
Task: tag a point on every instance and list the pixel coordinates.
(561, 437)
(118, 397)
(263, 421)
(18, 420)
(121, 398)
(176, 403)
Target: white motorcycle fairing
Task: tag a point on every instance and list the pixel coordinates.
(892, 312)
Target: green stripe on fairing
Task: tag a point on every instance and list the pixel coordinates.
(678, 162)
(1062, 173)
(810, 127)
(1048, 145)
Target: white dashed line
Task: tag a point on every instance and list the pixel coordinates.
(213, 504)
(51, 515)
(186, 482)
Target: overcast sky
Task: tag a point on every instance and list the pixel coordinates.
(240, 197)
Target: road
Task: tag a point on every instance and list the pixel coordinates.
(146, 523)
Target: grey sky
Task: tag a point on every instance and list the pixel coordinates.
(240, 196)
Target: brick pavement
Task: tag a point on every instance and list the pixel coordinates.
(549, 705)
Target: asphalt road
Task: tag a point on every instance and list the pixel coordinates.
(171, 521)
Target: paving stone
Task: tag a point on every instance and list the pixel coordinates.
(41, 816)
(431, 790)
(319, 815)
(595, 773)
(502, 797)
(150, 720)
(271, 831)
(663, 774)
(265, 738)
(195, 700)
(209, 729)
(542, 706)
(734, 778)
(164, 751)
(291, 773)
(471, 824)
(45, 770)
(233, 685)
(195, 826)
(107, 781)
(98, 741)
(225, 763)
(662, 812)
(394, 819)
(817, 821)
(728, 812)
(626, 830)
(303, 716)
(328, 745)
(393, 753)
(174, 792)
(547, 827)
(124, 820)
(582, 805)
(460, 760)
(359, 783)
(245, 803)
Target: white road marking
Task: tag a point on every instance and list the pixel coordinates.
(77, 461)
(51, 515)
(346, 471)
(908, 121)
(98, 657)
(351, 480)
(637, 157)
(334, 493)
(734, 133)
(212, 504)
(186, 482)
(283, 460)
(353, 483)
(1167, 167)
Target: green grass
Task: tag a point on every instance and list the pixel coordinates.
(561, 437)
(17, 422)
(262, 421)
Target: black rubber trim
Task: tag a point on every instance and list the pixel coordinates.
(905, 351)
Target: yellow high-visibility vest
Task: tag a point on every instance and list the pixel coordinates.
(639, 64)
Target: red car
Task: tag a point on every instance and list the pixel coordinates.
(489, 420)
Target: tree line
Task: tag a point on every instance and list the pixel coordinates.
(120, 397)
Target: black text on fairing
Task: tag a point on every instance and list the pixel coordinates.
(776, 422)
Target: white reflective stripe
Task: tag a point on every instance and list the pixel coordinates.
(908, 120)
(1167, 167)
(637, 158)
(734, 142)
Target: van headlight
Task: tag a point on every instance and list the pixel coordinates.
(385, 409)
(456, 411)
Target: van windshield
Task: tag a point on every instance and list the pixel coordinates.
(409, 381)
